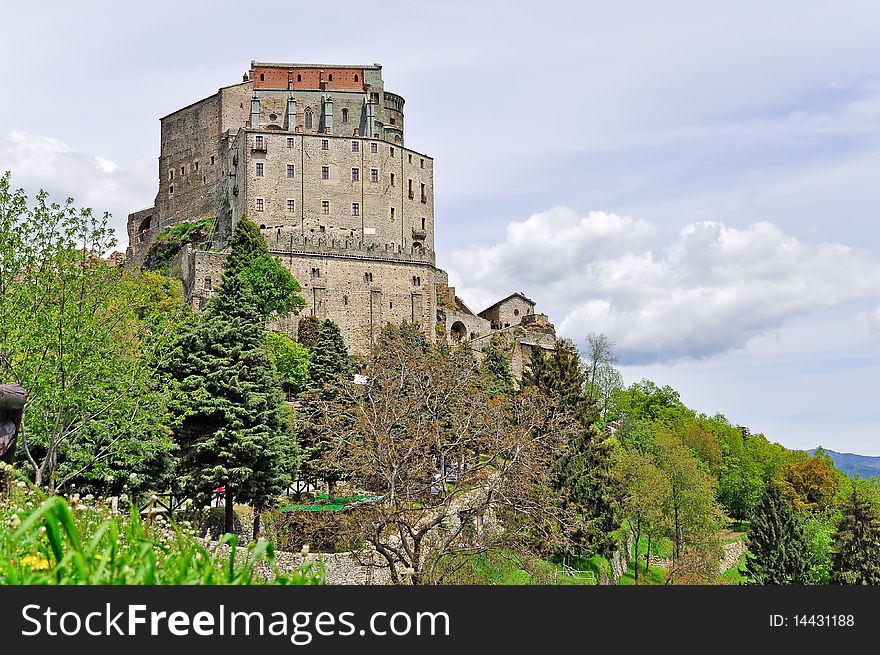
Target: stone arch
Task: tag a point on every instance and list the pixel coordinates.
(458, 332)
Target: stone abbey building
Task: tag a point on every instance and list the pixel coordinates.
(315, 155)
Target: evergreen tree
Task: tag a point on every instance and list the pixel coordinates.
(230, 418)
(777, 549)
(329, 359)
(248, 245)
(855, 557)
(329, 363)
(307, 331)
(584, 472)
(495, 370)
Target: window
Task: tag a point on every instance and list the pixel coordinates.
(299, 77)
(355, 209)
(259, 171)
(195, 167)
(345, 300)
(355, 146)
(417, 281)
(392, 120)
(344, 115)
(262, 77)
(392, 213)
(258, 144)
(410, 158)
(516, 312)
(356, 77)
(325, 206)
(290, 170)
(392, 179)
(170, 173)
(355, 174)
(291, 205)
(374, 148)
(325, 144)
(204, 179)
(424, 197)
(290, 142)
(208, 284)
(330, 77)
(409, 189)
(325, 172)
(374, 175)
(183, 170)
(368, 277)
(316, 272)
(392, 151)
(258, 204)
(423, 223)
(212, 160)
(421, 163)
(308, 118)
(322, 229)
(171, 190)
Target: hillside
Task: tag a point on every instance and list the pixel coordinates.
(852, 464)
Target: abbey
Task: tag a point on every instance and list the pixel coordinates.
(315, 155)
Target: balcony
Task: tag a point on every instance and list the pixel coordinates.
(259, 145)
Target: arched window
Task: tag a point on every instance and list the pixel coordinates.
(308, 118)
(330, 77)
(355, 77)
(262, 77)
(299, 78)
(345, 115)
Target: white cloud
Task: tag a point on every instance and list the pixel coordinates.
(709, 289)
(42, 162)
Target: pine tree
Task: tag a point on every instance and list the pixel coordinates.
(230, 418)
(307, 331)
(329, 359)
(855, 558)
(777, 549)
(329, 363)
(248, 244)
(584, 473)
(495, 370)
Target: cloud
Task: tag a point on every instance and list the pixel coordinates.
(704, 291)
(43, 162)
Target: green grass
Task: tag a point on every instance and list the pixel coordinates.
(655, 576)
(55, 543)
(732, 576)
(505, 568)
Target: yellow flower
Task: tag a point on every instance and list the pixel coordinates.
(36, 563)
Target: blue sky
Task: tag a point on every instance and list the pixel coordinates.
(697, 180)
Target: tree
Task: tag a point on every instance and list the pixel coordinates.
(495, 368)
(855, 558)
(268, 284)
(776, 548)
(693, 516)
(645, 490)
(602, 377)
(230, 420)
(291, 359)
(423, 434)
(809, 483)
(329, 359)
(307, 331)
(72, 334)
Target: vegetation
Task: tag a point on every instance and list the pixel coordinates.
(776, 542)
(168, 244)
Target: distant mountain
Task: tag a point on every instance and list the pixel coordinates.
(852, 464)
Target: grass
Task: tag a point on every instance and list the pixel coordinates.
(732, 576)
(55, 543)
(506, 568)
(168, 243)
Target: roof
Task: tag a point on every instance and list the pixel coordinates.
(275, 64)
(503, 300)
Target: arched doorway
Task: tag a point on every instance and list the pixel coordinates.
(458, 331)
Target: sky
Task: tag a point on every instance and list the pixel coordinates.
(698, 181)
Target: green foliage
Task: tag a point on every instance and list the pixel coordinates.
(291, 359)
(55, 544)
(85, 340)
(307, 331)
(247, 245)
(272, 288)
(495, 369)
(776, 544)
(856, 544)
(230, 420)
(166, 246)
(329, 359)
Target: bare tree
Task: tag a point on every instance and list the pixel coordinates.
(445, 458)
(602, 377)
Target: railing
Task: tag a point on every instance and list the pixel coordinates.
(259, 145)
